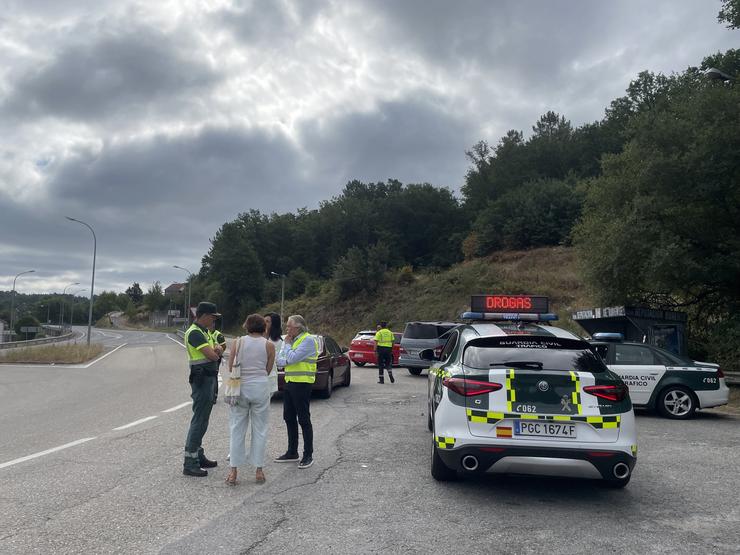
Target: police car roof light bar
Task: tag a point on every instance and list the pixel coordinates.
(608, 336)
(549, 317)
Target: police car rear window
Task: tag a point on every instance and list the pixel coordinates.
(551, 354)
(424, 331)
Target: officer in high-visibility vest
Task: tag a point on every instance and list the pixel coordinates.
(203, 355)
(298, 357)
(384, 347)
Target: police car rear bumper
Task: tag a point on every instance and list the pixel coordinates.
(574, 463)
(716, 397)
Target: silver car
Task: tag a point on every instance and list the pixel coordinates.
(418, 336)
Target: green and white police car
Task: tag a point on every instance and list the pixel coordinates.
(511, 394)
(658, 379)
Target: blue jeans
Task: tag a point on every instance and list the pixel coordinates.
(253, 403)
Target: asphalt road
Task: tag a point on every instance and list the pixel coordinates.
(122, 491)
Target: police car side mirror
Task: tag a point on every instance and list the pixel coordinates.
(427, 354)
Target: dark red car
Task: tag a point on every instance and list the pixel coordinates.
(332, 368)
(362, 348)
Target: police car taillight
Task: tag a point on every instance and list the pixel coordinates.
(469, 388)
(608, 392)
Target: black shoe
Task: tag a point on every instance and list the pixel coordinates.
(390, 375)
(380, 380)
(205, 463)
(287, 458)
(305, 462)
(199, 472)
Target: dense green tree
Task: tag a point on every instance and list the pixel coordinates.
(730, 13)
(660, 226)
(135, 293)
(155, 298)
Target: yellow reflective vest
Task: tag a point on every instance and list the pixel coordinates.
(384, 338)
(305, 370)
(195, 355)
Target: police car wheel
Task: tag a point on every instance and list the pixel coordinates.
(414, 371)
(440, 471)
(360, 363)
(677, 402)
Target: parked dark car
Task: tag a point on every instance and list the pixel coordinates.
(419, 336)
(332, 368)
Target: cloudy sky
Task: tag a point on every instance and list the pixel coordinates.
(158, 121)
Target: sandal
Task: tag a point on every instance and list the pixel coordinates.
(259, 476)
(231, 478)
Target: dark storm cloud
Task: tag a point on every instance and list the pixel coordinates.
(120, 69)
(414, 140)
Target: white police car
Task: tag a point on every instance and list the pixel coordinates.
(512, 394)
(658, 379)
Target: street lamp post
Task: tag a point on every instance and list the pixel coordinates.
(190, 280)
(92, 282)
(282, 293)
(61, 304)
(12, 300)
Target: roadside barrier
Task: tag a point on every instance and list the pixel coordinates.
(33, 342)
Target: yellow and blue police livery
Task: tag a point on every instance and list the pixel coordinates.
(659, 379)
(511, 393)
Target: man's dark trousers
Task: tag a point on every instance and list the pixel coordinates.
(202, 393)
(296, 401)
(385, 360)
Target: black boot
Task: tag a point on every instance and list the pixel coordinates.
(390, 375)
(204, 462)
(380, 378)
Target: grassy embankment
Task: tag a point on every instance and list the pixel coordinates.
(444, 295)
(57, 354)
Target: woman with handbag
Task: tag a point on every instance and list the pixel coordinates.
(248, 394)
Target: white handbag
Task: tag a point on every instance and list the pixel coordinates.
(233, 385)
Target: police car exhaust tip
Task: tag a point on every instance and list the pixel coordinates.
(469, 462)
(621, 471)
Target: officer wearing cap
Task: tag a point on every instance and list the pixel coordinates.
(384, 348)
(203, 355)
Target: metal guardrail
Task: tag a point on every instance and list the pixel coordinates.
(732, 378)
(33, 342)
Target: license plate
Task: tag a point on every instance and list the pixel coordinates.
(360, 355)
(544, 429)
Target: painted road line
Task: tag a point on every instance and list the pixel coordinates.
(102, 357)
(176, 341)
(47, 452)
(178, 407)
(135, 423)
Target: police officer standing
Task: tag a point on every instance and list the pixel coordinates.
(384, 348)
(298, 357)
(203, 354)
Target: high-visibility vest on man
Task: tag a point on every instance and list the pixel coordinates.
(384, 338)
(305, 370)
(196, 357)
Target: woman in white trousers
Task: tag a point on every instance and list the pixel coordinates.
(255, 356)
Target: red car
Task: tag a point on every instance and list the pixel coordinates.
(362, 348)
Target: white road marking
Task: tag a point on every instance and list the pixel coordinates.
(178, 407)
(176, 341)
(135, 423)
(48, 451)
(88, 365)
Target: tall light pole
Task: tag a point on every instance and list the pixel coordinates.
(92, 282)
(282, 294)
(12, 301)
(61, 304)
(190, 280)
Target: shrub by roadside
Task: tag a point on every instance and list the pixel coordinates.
(57, 354)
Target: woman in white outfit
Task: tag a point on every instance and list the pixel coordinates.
(256, 358)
